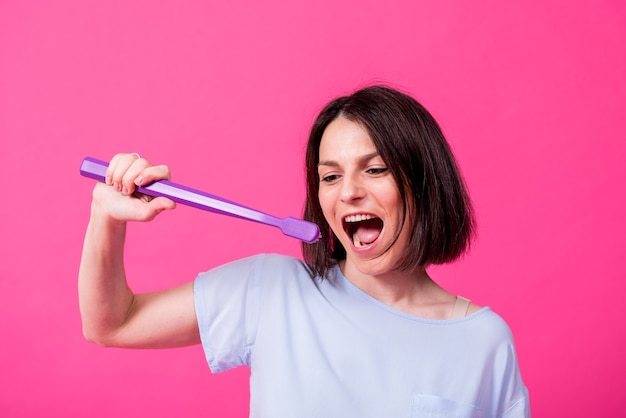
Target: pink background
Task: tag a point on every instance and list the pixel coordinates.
(532, 96)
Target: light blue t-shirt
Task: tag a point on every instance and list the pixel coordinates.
(324, 348)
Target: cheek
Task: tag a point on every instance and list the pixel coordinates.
(408, 214)
(389, 196)
(395, 207)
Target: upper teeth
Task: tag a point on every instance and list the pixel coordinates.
(357, 218)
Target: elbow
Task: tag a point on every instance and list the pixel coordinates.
(93, 338)
(98, 338)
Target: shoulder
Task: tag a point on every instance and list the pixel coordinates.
(260, 260)
(487, 339)
(487, 325)
(284, 261)
(473, 308)
(260, 266)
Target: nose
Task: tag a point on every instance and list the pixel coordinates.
(351, 189)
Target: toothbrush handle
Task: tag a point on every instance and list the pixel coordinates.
(297, 228)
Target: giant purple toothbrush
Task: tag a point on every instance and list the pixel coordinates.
(293, 227)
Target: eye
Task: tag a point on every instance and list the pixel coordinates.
(329, 178)
(375, 171)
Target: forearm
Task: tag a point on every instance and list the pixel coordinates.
(106, 301)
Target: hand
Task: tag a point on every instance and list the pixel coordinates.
(117, 197)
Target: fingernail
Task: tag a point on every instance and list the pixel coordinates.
(139, 180)
(124, 190)
(107, 180)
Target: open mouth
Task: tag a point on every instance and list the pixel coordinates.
(364, 229)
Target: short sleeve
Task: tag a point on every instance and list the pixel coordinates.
(513, 400)
(226, 301)
(521, 409)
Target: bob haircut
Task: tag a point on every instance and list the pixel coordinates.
(437, 206)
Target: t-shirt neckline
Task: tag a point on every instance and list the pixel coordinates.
(343, 282)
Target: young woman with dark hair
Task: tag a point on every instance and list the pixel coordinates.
(359, 329)
(418, 157)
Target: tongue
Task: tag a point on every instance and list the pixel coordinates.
(368, 231)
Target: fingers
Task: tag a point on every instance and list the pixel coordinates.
(152, 173)
(119, 201)
(126, 171)
(118, 166)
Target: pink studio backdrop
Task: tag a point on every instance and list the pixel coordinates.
(532, 96)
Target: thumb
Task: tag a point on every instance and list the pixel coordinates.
(158, 205)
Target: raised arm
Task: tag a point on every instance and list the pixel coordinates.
(112, 315)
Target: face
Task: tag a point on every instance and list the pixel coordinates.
(360, 200)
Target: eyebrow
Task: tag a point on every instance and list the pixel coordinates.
(361, 159)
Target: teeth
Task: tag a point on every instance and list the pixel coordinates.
(356, 241)
(357, 218)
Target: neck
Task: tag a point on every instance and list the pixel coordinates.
(409, 291)
(389, 286)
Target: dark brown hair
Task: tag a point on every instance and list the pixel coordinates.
(412, 145)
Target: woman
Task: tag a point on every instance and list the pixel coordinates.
(359, 329)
